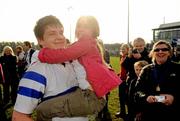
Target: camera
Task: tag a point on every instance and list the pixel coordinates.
(160, 98)
(135, 51)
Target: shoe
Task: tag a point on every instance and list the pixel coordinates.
(120, 115)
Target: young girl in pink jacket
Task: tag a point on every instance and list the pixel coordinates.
(101, 78)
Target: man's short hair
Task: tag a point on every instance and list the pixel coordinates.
(43, 22)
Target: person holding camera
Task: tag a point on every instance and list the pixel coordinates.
(157, 87)
(138, 52)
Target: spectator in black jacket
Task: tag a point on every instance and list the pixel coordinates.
(157, 89)
(139, 52)
(9, 64)
(131, 90)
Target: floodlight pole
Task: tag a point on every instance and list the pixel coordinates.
(128, 25)
(70, 27)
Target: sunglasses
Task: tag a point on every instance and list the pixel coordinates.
(162, 49)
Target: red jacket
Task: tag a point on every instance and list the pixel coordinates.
(123, 72)
(102, 79)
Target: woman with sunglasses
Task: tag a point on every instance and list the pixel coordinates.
(158, 86)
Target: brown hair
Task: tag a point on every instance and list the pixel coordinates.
(42, 23)
(27, 43)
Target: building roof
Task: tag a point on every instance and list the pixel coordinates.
(168, 26)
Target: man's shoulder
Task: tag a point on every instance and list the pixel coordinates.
(37, 65)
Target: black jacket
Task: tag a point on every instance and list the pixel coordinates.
(9, 65)
(167, 76)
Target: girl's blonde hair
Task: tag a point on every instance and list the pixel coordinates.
(8, 48)
(141, 63)
(101, 48)
(91, 23)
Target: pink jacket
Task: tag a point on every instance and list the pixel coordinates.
(102, 79)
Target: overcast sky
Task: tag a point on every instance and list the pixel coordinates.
(18, 17)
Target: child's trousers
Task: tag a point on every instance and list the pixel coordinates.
(79, 103)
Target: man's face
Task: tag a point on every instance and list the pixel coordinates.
(53, 37)
(26, 48)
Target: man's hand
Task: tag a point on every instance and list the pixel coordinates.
(17, 116)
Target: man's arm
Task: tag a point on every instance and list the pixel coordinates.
(17, 116)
